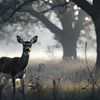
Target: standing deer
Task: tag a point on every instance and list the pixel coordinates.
(12, 68)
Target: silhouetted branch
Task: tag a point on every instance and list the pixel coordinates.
(85, 86)
(17, 9)
(59, 5)
(52, 27)
(87, 7)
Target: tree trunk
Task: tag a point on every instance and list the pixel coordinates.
(70, 35)
(69, 47)
(97, 29)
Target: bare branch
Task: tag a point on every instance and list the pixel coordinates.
(85, 86)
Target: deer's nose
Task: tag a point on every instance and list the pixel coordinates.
(27, 49)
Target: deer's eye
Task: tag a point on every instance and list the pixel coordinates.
(29, 45)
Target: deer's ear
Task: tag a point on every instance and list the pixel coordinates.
(20, 40)
(34, 39)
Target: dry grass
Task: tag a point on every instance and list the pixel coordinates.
(59, 80)
(69, 80)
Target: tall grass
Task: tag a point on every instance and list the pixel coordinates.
(64, 80)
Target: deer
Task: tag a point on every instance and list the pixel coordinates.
(13, 68)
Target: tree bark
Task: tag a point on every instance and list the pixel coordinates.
(69, 48)
(97, 29)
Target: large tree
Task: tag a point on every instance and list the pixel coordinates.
(93, 10)
(68, 35)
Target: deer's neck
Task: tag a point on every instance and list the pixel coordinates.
(24, 60)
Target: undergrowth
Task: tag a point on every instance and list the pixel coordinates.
(80, 84)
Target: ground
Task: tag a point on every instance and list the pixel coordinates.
(58, 80)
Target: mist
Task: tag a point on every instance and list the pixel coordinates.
(63, 61)
(10, 46)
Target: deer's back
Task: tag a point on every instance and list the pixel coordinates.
(4, 60)
(6, 63)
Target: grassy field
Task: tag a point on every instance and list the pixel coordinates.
(58, 80)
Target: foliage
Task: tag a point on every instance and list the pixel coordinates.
(10, 7)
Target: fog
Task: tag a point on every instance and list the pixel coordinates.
(49, 70)
(10, 47)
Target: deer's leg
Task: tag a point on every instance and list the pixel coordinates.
(13, 82)
(0, 77)
(22, 86)
(4, 82)
(2, 85)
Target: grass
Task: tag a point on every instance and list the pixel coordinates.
(59, 80)
(69, 80)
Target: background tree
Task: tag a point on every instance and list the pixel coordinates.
(71, 24)
(93, 10)
(68, 34)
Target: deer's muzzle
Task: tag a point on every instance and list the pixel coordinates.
(27, 50)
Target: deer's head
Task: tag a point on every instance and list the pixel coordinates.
(27, 44)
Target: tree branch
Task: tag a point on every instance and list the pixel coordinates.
(59, 5)
(96, 3)
(47, 3)
(52, 27)
(17, 9)
(87, 7)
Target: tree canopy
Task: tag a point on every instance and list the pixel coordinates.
(38, 8)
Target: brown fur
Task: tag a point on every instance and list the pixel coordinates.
(12, 65)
